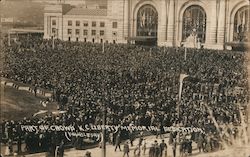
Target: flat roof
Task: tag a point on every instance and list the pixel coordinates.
(87, 11)
(25, 30)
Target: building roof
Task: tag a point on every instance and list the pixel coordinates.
(87, 11)
(26, 30)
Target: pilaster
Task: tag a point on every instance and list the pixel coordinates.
(221, 23)
(162, 23)
(170, 29)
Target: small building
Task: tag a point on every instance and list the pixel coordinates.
(214, 24)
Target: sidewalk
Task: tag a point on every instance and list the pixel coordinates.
(97, 152)
(234, 151)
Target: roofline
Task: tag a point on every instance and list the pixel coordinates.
(15, 30)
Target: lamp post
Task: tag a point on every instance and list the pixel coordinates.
(104, 117)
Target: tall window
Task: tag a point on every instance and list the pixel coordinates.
(147, 21)
(85, 24)
(93, 32)
(69, 23)
(69, 31)
(77, 31)
(241, 25)
(93, 24)
(77, 23)
(102, 24)
(53, 22)
(85, 32)
(101, 32)
(114, 25)
(194, 24)
(53, 30)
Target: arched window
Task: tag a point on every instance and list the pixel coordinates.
(241, 25)
(194, 23)
(147, 21)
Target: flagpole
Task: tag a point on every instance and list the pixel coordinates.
(104, 132)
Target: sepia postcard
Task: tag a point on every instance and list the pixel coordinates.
(124, 78)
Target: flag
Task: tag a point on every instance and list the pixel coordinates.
(143, 18)
(182, 76)
(44, 103)
(213, 118)
(243, 21)
(59, 112)
(40, 112)
(238, 23)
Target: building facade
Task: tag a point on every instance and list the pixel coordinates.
(211, 24)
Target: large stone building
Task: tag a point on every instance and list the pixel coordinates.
(208, 23)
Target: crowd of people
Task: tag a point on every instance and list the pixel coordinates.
(136, 85)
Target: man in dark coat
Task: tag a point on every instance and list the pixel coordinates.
(61, 149)
(157, 149)
(174, 148)
(118, 142)
(151, 151)
(163, 146)
(126, 149)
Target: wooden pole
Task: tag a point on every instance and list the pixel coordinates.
(104, 132)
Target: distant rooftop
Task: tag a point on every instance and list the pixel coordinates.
(87, 11)
(102, 3)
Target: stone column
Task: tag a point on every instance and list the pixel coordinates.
(221, 24)
(170, 30)
(211, 26)
(59, 27)
(125, 20)
(45, 26)
(162, 23)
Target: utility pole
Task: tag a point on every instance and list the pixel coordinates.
(104, 130)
